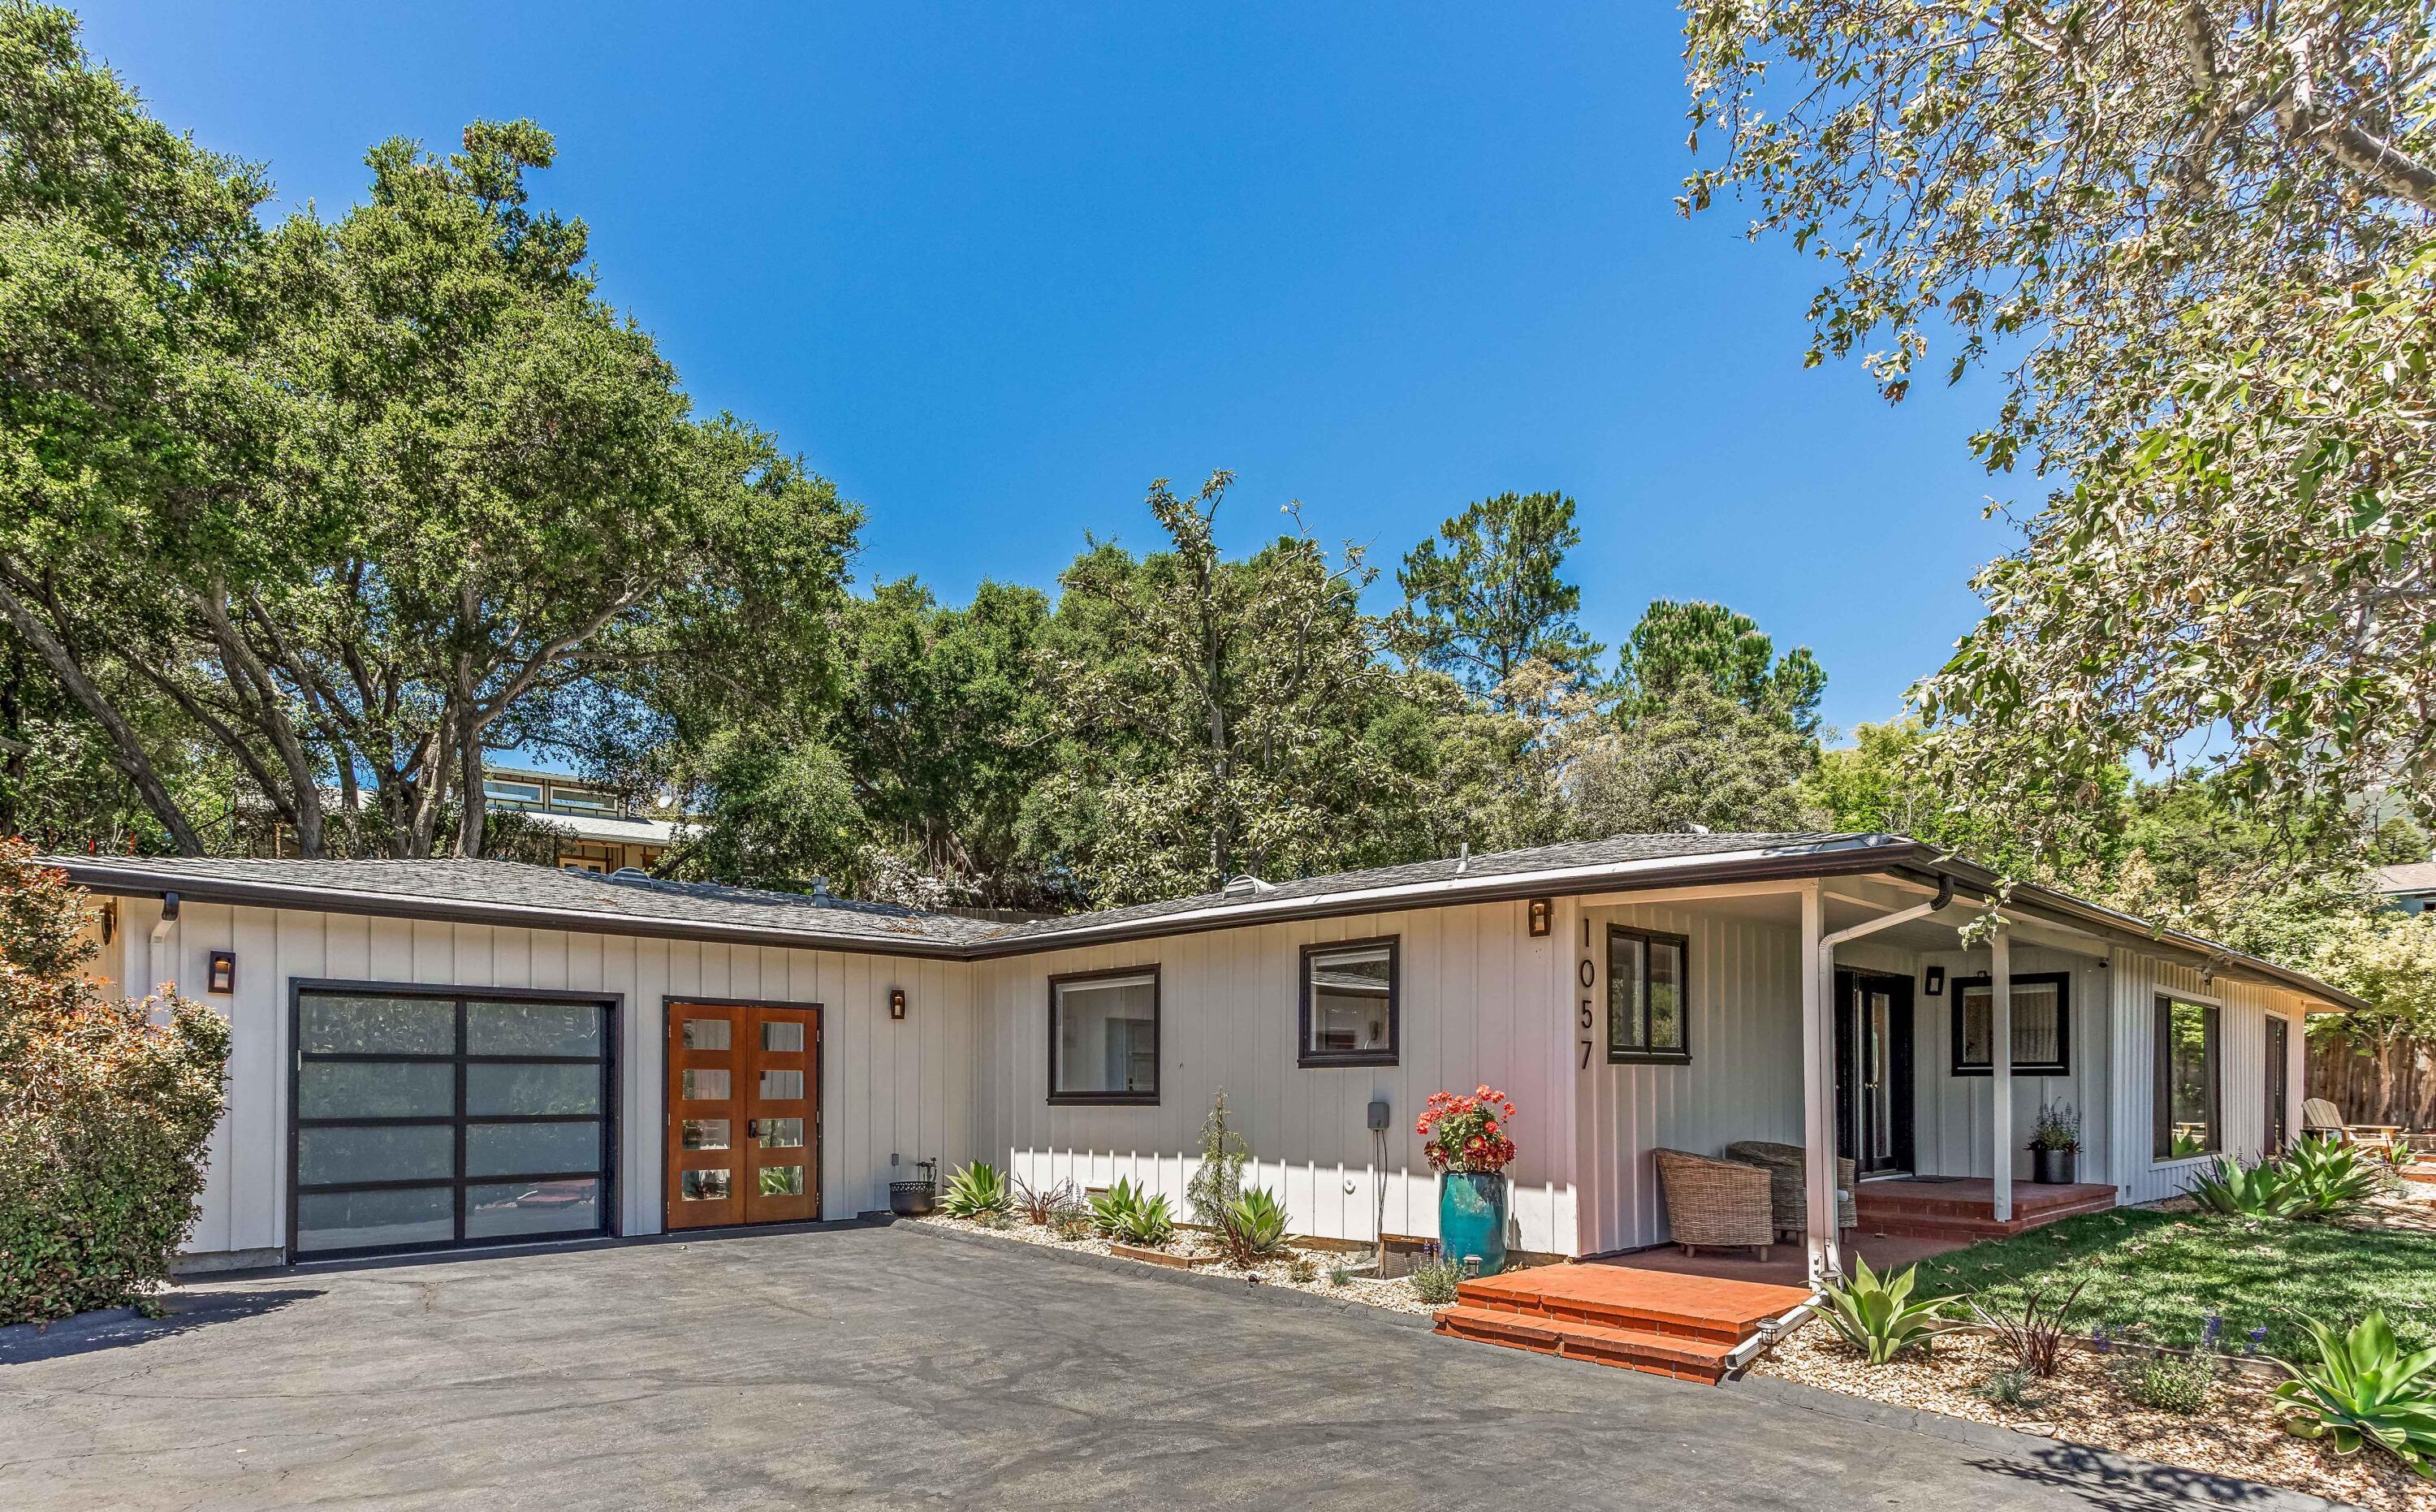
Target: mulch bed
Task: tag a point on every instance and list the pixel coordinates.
(1395, 1295)
(2239, 1434)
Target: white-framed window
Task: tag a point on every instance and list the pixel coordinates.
(587, 799)
(1348, 1003)
(1103, 1036)
(499, 789)
(2042, 1024)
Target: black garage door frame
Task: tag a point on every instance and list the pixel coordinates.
(613, 1006)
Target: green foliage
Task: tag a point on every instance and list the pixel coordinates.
(105, 1115)
(2057, 1127)
(977, 1189)
(1218, 1180)
(2168, 1381)
(1435, 1278)
(1493, 599)
(2011, 1386)
(1693, 755)
(2364, 1389)
(1679, 646)
(1302, 1270)
(1875, 1315)
(2327, 1179)
(1126, 1213)
(1253, 1227)
(2244, 1191)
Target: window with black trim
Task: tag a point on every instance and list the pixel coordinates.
(1647, 996)
(2185, 1040)
(423, 1120)
(1348, 1003)
(1103, 1036)
(2042, 1024)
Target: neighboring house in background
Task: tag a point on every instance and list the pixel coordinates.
(2410, 888)
(588, 829)
(444, 1052)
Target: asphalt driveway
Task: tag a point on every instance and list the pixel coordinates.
(877, 1367)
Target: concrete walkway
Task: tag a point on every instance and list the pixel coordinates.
(877, 1366)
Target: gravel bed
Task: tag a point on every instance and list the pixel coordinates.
(2240, 1432)
(1394, 1296)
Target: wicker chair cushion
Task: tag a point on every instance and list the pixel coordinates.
(1783, 1165)
(1714, 1201)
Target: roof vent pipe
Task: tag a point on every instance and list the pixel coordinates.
(1246, 886)
(1463, 859)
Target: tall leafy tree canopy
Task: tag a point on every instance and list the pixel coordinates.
(1677, 645)
(2192, 233)
(1487, 593)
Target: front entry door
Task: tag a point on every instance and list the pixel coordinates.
(743, 1101)
(1873, 1070)
(2279, 1082)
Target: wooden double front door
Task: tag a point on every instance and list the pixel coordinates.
(744, 1116)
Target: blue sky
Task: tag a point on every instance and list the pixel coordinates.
(995, 270)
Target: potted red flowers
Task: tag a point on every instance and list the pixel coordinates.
(1467, 1143)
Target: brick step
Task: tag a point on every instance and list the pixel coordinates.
(1641, 1350)
(1607, 1312)
(1913, 1222)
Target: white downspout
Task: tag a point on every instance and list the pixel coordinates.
(1819, 1063)
(160, 928)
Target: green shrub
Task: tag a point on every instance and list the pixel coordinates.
(2362, 1389)
(1072, 1225)
(1435, 1278)
(1253, 1227)
(1339, 1275)
(1218, 1180)
(1148, 1223)
(104, 1115)
(2010, 1387)
(978, 1189)
(1302, 1270)
(1875, 1315)
(2327, 1179)
(2168, 1382)
(1113, 1208)
(2241, 1191)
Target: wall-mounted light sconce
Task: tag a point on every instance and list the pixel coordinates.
(1542, 914)
(108, 922)
(896, 1002)
(223, 978)
(1935, 986)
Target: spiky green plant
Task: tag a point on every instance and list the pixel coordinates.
(1874, 1314)
(2241, 1191)
(2327, 1179)
(1147, 1223)
(1253, 1227)
(978, 1189)
(1121, 1210)
(2364, 1390)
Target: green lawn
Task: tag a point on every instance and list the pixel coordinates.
(2158, 1276)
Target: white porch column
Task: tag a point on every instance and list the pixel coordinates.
(1819, 1086)
(2000, 1056)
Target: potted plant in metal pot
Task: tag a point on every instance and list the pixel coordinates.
(1467, 1143)
(2055, 1144)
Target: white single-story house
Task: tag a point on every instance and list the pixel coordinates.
(451, 1053)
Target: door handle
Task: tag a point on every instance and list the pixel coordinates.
(752, 1128)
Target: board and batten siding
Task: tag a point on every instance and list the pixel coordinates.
(1479, 1001)
(2242, 1048)
(1744, 1081)
(887, 1085)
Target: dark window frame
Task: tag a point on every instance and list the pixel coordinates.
(1647, 1055)
(1958, 988)
(2161, 1112)
(608, 1220)
(1306, 1056)
(1158, 1039)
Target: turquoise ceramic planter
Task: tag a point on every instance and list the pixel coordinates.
(1471, 1217)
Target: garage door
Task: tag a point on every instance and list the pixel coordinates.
(425, 1120)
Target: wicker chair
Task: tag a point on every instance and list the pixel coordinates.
(1716, 1203)
(1789, 1203)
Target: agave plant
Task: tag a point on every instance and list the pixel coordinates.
(2327, 1179)
(1112, 1209)
(1147, 1223)
(977, 1191)
(2245, 1191)
(1253, 1227)
(1875, 1315)
(2364, 1390)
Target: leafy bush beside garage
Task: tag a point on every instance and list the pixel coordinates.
(103, 1113)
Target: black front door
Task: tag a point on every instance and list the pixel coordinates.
(1873, 1078)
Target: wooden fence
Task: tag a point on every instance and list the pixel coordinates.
(2392, 1085)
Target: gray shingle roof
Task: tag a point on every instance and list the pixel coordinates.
(472, 888)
